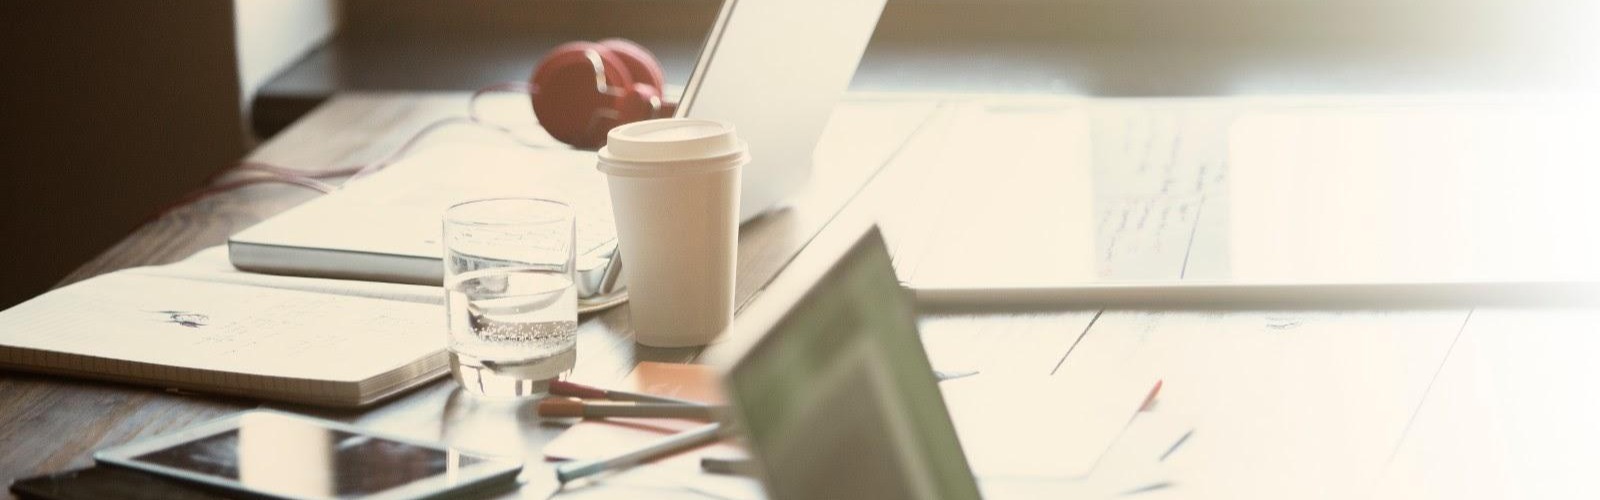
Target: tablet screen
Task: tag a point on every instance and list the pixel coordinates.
(296, 457)
(838, 400)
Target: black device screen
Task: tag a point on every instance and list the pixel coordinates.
(293, 457)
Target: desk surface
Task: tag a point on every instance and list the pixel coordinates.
(1442, 402)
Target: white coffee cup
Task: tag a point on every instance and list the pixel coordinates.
(675, 196)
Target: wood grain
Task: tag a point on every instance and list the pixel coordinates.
(49, 424)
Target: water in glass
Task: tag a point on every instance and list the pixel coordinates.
(512, 329)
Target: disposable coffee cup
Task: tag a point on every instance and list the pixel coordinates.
(675, 197)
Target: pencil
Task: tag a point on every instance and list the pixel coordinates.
(1150, 399)
(567, 407)
(575, 390)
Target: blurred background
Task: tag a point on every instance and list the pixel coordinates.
(112, 110)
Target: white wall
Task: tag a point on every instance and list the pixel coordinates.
(273, 34)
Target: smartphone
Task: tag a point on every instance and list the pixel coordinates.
(279, 455)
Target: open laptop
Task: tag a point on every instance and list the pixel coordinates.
(773, 68)
(832, 388)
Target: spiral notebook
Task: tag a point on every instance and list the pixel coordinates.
(200, 326)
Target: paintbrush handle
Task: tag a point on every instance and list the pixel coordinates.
(651, 410)
(569, 408)
(576, 390)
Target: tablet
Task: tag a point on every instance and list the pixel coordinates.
(280, 455)
(831, 386)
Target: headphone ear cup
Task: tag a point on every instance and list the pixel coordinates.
(641, 63)
(643, 103)
(578, 89)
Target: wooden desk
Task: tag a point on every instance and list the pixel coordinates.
(1439, 402)
(52, 424)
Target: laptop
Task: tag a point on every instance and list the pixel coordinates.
(831, 387)
(773, 68)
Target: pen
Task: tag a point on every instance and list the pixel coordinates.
(566, 407)
(728, 466)
(668, 445)
(569, 389)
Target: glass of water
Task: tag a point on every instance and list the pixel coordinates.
(513, 312)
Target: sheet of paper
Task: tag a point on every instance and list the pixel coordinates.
(1140, 465)
(683, 477)
(1066, 192)
(1012, 345)
(1041, 427)
(1052, 192)
(1147, 455)
(1007, 205)
(1511, 414)
(1488, 192)
(224, 327)
(1285, 404)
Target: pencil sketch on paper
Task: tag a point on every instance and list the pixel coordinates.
(185, 318)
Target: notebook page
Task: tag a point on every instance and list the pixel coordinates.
(216, 326)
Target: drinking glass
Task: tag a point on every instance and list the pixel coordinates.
(513, 312)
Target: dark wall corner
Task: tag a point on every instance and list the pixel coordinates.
(111, 110)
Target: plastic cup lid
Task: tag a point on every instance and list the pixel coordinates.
(671, 146)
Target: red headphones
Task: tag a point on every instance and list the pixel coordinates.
(581, 90)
